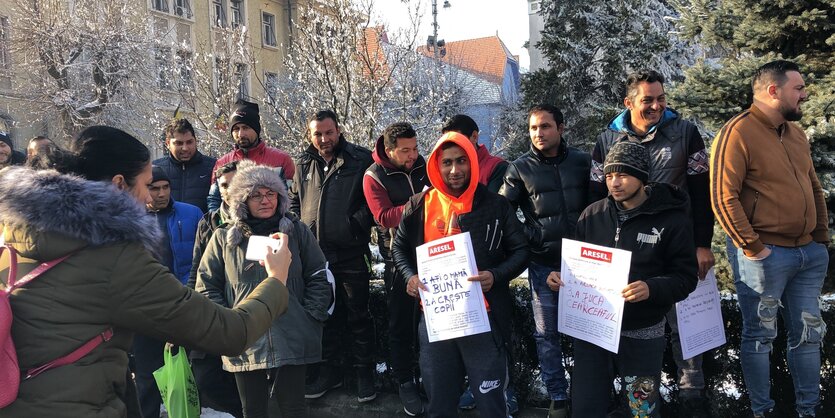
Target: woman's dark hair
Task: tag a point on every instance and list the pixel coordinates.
(98, 153)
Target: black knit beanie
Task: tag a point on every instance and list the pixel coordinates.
(630, 158)
(159, 175)
(247, 113)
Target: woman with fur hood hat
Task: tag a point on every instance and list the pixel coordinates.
(275, 364)
(90, 207)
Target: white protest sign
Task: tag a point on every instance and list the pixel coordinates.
(700, 323)
(591, 303)
(454, 306)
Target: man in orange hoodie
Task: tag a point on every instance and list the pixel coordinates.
(457, 203)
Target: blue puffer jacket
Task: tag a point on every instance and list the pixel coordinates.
(190, 180)
(182, 230)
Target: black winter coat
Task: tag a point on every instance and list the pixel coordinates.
(660, 236)
(506, 257)
(331, 202)
(551, 194)
(190, 180)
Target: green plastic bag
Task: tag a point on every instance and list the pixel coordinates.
(177, 386)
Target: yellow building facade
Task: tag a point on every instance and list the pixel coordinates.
(183, 30)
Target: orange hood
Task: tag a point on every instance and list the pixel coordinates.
(441, 209)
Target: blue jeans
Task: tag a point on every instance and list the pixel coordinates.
(548, 349)
(790, 278)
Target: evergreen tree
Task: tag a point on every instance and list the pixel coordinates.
(590, 46)
(739, 36)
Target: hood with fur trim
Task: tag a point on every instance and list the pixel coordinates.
(248, 177)
(91, 211)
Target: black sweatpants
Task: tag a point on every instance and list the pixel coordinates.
(285, 383)
(217, 387)
(443, 365)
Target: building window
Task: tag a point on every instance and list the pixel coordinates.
(185, 77)
(533, 6)
(221, 76)
(162, 57)
(237, 7)
(268, 32)
(219, 13)
(271, 86)
(242, 74)
(160, 5)
(182, 8)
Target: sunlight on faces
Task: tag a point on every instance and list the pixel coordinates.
(141, 183)
(647, 106)
(182, 146)
(790, 96)
(244, 135)
(160, 192)
(455, 169)
(223, 183)
(5, 153)
(545, 133)
(262, 203)
(36, 147)
(625, 189)
(405, 155)
(324, 135)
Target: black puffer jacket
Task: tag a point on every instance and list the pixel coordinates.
(505, 257)
(551, 192)
(190, 180)
(331, 201)
(660, 235)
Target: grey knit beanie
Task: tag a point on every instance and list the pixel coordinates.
(628, 157)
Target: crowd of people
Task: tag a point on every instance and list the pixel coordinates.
(155, 253)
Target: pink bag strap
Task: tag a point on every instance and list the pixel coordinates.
(13, 284)
(77, 354)
(12, 281)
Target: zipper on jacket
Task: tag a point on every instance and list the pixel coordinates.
(754, 208)
(617, 235)
(180, 228)
(799, 184)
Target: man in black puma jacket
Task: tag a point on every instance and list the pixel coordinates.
(650, 221)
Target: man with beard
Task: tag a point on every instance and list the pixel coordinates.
(8, 156)
(245, 128)
(679, 158)
(178, 223)
(768, 199)
(327, 195)
(398, 172)
(188, 169)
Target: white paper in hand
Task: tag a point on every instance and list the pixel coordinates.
(256, 249)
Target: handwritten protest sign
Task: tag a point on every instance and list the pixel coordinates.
(591, 304)
(453, 307)
(700, 324)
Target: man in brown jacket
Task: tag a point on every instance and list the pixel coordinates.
(769, 201)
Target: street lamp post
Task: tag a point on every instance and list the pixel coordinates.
(435, 41)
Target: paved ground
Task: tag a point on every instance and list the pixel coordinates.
(340, 404)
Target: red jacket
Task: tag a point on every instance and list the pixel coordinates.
(261, 154)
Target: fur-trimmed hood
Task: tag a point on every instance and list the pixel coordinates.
(248, 177)
(92, 211)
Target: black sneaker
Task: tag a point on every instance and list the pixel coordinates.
(410, 398)
(365, 384)
(328, 379)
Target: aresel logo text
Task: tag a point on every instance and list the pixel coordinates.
(441, 248)
(596, 254)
